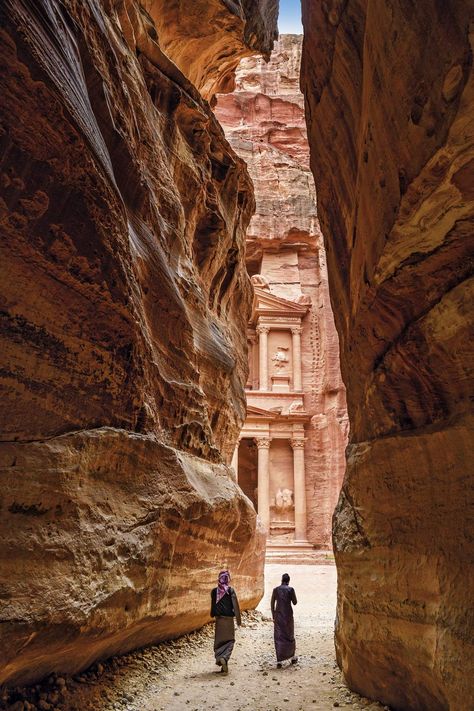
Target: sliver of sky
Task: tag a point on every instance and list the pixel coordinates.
(289, 19)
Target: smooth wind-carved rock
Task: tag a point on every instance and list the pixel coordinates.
(389, 92)
(124, 302)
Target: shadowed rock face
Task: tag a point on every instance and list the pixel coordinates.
(265, 124)
(124, 306)
(389, 92)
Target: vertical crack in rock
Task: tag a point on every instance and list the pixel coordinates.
(123, 308)
(389, 94)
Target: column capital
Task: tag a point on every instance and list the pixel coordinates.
(298, 443)
(262, 329)
(263, 442)
(296, 330)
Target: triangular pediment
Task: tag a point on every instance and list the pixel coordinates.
(253, 411)
(267, 304)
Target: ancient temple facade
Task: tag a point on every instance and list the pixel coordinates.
(290, 457)
(270, 458)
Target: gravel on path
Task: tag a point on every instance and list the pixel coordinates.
(181, 674)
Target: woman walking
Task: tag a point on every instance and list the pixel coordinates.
(224, 607)
(283, 597)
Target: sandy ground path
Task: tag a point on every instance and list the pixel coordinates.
(254, 683)
(181, 675)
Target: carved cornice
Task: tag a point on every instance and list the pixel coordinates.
(279, 322)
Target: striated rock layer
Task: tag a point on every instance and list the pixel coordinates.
(124, 303)
(264, 122)
(389, 91)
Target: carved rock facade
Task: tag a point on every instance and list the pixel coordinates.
(124, 310)
(389, 90)
(295, 388)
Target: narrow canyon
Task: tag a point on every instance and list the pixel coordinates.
(300, 398)
(226, 255)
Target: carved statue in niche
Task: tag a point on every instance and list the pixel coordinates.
(280, 358)
(284, 500)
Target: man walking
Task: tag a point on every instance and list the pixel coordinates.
(283, 597)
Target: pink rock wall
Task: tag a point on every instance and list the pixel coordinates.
(264, 121)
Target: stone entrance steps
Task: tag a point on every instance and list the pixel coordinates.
(298, 555)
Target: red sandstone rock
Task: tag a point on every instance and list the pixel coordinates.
(389, 91)
(207, 39)
(264, 122)
(124, 310)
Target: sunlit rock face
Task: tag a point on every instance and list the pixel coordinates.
(389, 92)
(124, 307)
(265, 124)
(264, 121)
(207, 38)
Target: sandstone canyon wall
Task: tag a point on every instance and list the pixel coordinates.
(389, 93)
(264, 122)
(124, 302)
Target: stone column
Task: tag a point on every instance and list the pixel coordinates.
(296, 343)
(263, 356)
(263, 444)
(300, 490)
(253, 361)
(235, 460)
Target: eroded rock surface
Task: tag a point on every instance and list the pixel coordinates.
(264, 122)
(207, 39)
(263, 119)
(389, 91)
(124, 307)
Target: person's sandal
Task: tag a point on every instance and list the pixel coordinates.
(225, 668)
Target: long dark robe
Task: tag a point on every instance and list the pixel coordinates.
(284, 627)
(225, 611)
(224, 638)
